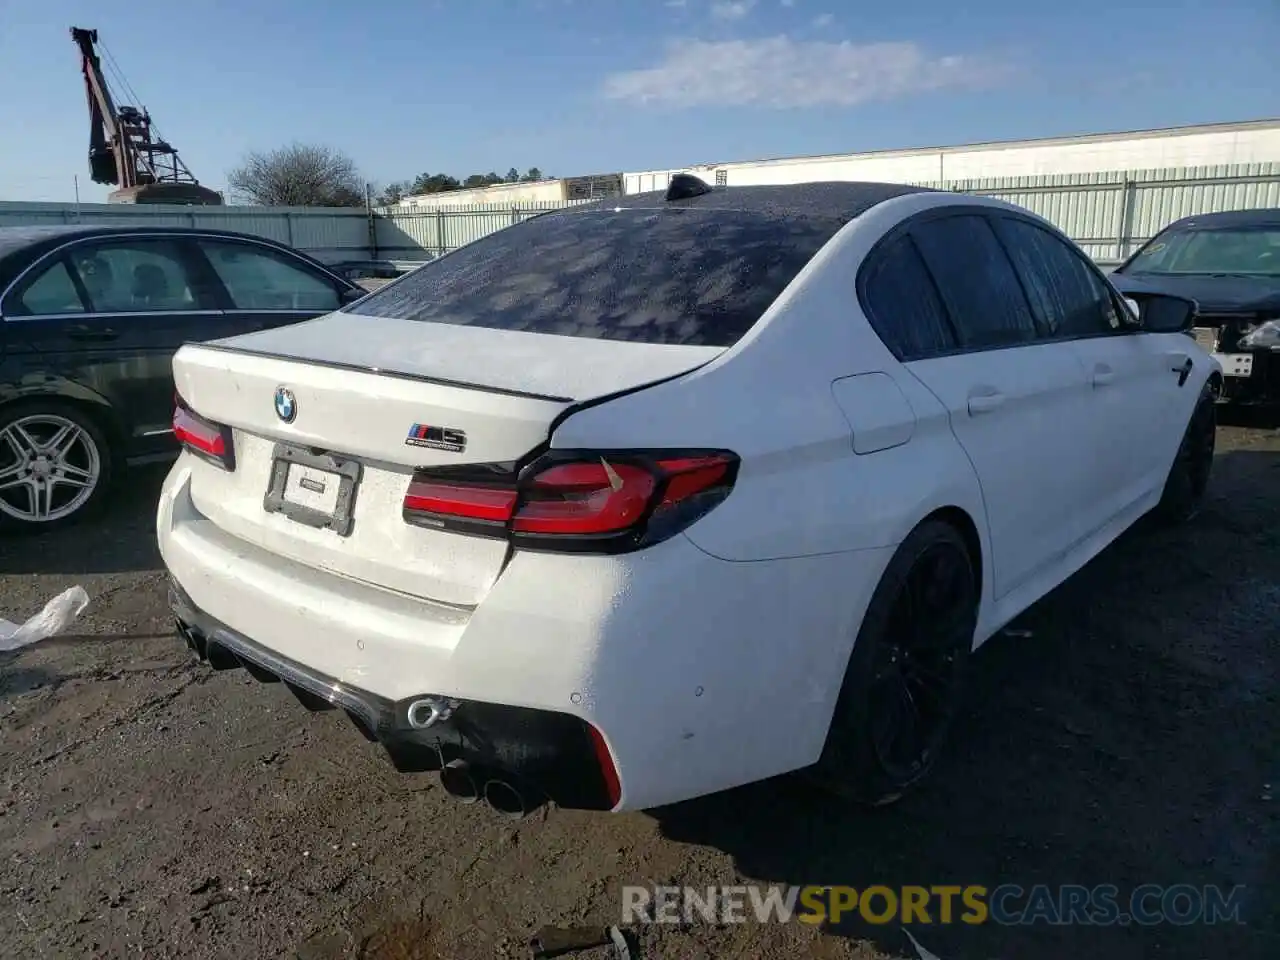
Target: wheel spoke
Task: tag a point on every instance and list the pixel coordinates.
(19, 440)
(44, 500)
(60, 443)
(12, 476)
(77, 483)
(71, 471)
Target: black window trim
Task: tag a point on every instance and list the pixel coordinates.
(52, 254)
(1117, 299)
(284, 254)
(989, 214)
(872, 260)
(187, 257)
(906, 226)
(72, 274)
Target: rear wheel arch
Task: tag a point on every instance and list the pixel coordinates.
(964, 524)
(88, 404)
(1215, 383)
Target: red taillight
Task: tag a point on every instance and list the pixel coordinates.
(466, 501)
(586, 502)
(608, 772)
(585, 498)
(209, 440)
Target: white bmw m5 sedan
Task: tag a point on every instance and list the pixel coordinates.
(644, 499)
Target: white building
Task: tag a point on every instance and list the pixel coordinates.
(520, 194)
(1256, 141)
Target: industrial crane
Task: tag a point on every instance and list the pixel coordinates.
(122, 148)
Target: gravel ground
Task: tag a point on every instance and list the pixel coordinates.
(149, 807)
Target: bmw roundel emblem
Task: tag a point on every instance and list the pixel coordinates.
(286, 406)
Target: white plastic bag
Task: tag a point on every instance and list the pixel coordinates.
(57, 615)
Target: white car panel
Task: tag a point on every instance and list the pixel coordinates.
(569, 368)
(1135, 405)
(1012, 411)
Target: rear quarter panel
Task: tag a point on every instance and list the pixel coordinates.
(802, 490)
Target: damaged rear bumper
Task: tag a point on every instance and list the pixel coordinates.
(546, 754)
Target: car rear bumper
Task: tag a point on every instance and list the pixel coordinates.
(545, 753)
(696, 674)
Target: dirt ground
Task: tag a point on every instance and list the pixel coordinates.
(152, 808)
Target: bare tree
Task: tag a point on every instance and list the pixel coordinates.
(299, 175)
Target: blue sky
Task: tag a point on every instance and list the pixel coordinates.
(575, 86)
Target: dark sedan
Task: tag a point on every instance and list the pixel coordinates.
(1229, 263)
(90, 317)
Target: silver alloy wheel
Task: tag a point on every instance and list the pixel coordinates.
(49, 468)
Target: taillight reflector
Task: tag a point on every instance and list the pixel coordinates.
(609, 772)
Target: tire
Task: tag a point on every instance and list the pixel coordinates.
(856, 763)
(1188, 478)
(47, 443)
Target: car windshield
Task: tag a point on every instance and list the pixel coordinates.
(669, 275)
(1247, 251)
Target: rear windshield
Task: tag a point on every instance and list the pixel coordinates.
(681, 276)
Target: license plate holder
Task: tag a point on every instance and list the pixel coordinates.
(304, 473)
(1235, 364)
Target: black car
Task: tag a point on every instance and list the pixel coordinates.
(90, 317)
(1229, 263)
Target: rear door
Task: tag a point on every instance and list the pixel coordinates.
(109, 313)
(1137, 403)
(1014, 401)
(266, 287)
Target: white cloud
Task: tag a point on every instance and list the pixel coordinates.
(676, 3)
(781, 72)
(823, 20)
(732, 9)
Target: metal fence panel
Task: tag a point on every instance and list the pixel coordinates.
(330, 234)
(1108, 214)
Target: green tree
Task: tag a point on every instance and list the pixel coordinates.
(513, 175)
(394, 192)
(433, 183)
(533, 175)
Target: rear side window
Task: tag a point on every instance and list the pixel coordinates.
(1068, 297)
(902, 303)
(52, 292)
(976, 280)
(678, 276)
(258, 278)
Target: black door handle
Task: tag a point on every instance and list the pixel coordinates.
(91, 335)
(1184, 371)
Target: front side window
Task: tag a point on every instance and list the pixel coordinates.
(671, 275)
(257, 278)
(1200, 251)
(135, 276)
(1068, 298)
(52, 292)
(982, 293)
(902, 304)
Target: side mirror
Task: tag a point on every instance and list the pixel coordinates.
(1164, 313)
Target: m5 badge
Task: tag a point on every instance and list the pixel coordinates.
(437, 438)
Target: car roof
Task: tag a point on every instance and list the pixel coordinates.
(13, 238)
(1259, 217)
(837, 199)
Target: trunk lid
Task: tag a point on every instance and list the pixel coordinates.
(384, 397)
